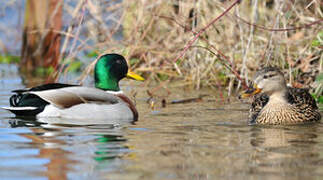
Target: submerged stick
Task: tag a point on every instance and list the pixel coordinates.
(188, 100)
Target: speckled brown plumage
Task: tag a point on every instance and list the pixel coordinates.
(300, 108)
(279, 104)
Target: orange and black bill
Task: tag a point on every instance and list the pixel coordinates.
(250, 92)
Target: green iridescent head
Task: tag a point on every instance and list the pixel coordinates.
(109, 70)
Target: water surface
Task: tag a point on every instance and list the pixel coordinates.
(199, 140)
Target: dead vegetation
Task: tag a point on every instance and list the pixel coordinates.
(188, 43)
(250, 35)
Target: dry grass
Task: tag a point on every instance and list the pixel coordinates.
(226, 54)
(156, 32)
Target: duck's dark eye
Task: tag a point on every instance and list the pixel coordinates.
(269, 76)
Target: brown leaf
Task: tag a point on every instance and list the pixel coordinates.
(291, 62)
(296, 36)
(305, 64)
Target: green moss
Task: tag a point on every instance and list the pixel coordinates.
(319, 40)
(92, 54)
(8, 59)
(41, 71)
(222, 77)
(320, 100)
(75, 66)
(319, 78)
(288, 14)
(134, 61)
(162, 77)
(319, 89)
(179, 61)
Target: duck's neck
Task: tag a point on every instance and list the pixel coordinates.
(279, 96)
(107, 85)
(114, 92)
(105, 81)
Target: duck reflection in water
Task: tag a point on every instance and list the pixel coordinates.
(284, 149)
(63, 146)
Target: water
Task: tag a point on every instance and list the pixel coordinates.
(199, 140)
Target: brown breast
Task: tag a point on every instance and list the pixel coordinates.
(130, 104)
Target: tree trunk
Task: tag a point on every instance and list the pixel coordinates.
(41, 42)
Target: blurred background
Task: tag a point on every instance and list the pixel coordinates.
(52, 38)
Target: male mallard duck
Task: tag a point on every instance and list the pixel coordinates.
(277, 103)
(106, 101)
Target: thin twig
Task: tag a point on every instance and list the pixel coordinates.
(204, 29)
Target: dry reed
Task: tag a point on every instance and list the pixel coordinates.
(253, 34)
(226, 52)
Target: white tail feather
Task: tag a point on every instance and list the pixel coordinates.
(19, 108)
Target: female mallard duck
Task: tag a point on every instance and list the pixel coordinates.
(106, 101)
(277, 103)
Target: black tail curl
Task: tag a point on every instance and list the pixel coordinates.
(14, 100)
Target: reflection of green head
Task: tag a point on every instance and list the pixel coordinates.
(109, 70)
(102, 154)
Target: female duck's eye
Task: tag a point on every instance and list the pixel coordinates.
(265, 76)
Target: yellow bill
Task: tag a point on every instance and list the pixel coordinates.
(134, 76)
(251, 91)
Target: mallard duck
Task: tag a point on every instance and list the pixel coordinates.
(275, 103)
(105, 101)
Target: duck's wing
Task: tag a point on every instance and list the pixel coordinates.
(44, 87)
(28, 104)
(70, 96)
(301, 98)
(304, 103)
(259, 102)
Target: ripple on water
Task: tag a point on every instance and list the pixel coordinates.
(200, 140)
